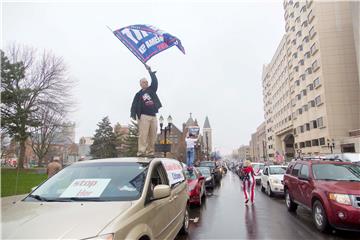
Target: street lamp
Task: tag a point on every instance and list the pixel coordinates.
(331, 144)
(166, 147)
(299, 151)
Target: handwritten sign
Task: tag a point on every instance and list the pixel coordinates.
(174, 171)
(85, 188)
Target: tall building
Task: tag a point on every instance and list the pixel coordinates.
(244, 152)
(207, 135)
(277, 103)
(311, 87)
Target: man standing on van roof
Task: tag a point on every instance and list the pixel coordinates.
(144, 107)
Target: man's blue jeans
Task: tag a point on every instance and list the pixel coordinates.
(190, 155)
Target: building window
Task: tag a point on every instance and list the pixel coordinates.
(300, 48)
(308, 70)
(298, 34)
(303, 92)
(303, 9)
(296, 5)
(293, 42)
(322, 141)
(297, 82)
(301, 129)
(311, 104)
(308, 143)
(320, 122)
(302, 144)
(317, 82)
(300, 111)
(318, 100)
(292, 28)
(292, 15)
(296, 68)
(298, 97)
(314, 124)
(304, 24)
(307, 126)
(297, 20)
(296, 145)
(314, 49)
(302, 77)
(305, 107)
(312, 33)
(310, 87)
(301, 62)
(315, 66)
(315, 142)
(306, 39)
(294, 55)
(311, 16)
(307, 55)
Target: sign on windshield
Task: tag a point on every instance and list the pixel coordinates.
(86, 187)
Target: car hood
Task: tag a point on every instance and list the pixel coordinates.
(58, 220)
(339, 186)
(279, 177)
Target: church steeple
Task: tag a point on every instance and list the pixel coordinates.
(207, 123)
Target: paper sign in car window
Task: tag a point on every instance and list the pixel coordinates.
(85, 188)
(174, 171)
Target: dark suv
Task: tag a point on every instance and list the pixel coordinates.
(215, 169)
(329, 189)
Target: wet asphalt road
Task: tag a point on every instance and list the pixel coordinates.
(225, 216)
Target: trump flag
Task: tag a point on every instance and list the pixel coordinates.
(145, 41)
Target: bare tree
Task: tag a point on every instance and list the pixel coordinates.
(31, 82)
(43, 135)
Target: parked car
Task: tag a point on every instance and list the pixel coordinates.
(196, 186)
(121, 198)
(216, 170)
(272, 179)
(258, 169)
(329, 189)
(209, 178)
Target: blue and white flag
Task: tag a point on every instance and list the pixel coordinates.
(145, 41)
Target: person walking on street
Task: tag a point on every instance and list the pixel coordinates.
(190, 149)
(248, 181)
(145, 106)
(53, 167)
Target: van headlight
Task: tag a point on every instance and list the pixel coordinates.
(340, 198)
(109, 236)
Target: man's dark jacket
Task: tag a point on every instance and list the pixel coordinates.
(136, 104)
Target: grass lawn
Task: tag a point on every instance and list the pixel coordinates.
(28, 178)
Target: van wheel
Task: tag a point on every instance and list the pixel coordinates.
(185, 228)
(319, 217)
(290, 205)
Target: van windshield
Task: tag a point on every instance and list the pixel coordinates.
(336, 172)
(94, 182)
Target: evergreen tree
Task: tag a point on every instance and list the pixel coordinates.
(119, 135)
(131, 140)
(104, 145)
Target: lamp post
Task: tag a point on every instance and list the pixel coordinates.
(299, 151)
(331, 144)
(165, 130)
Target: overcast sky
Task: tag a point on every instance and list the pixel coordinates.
(226, 43)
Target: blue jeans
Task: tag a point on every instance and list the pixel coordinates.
(190, 155)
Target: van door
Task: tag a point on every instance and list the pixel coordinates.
(160, 209)
(179, 195)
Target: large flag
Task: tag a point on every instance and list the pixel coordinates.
(145, 41)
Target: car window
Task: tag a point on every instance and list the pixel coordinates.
(205, 171)
(266, 171)
(277, 170)
(190, 174)
(295, 171)
(304, 172)
(337, 172)
(207, 164)
(95, 181)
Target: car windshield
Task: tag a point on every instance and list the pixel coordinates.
(256, 167)
(277, 170)
(205, 171)
(94, 182)
(190, 174)
(207, 164)
(337, 172)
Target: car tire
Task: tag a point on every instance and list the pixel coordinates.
(262, 188)
(290, 205)
(185, 227)
(319, 217)
(268, 190)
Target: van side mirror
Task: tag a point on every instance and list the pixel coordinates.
(161, 191)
